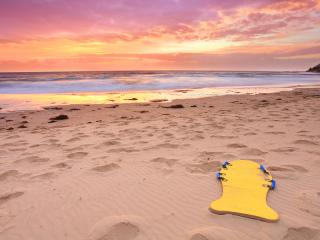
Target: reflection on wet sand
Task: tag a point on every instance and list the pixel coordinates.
(14, 102)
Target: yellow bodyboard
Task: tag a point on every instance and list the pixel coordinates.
(245, 186)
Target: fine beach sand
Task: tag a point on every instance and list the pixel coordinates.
(142, 171)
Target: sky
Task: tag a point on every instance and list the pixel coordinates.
(71, 35)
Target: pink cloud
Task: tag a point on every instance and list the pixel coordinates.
(20, 18)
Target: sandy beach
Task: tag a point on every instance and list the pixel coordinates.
(147, 170)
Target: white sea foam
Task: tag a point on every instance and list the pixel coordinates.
(72, 82)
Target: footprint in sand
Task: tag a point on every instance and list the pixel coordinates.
(285, 149)
(9, 196)
(74, 139)
(206, 155)
(61, 165)
(275, 133)
(78, 148)
(282, 173)
(111, 143)
(236, 145)
(287, 171)
(305, 142)
(302, 233)
(297, 168)
(36, 145)
(106, 168)
(204, 167)
(314, 152)
(169, 135)
(107, 144)
(7, 174)
(17, 149)
(168, 161)
(124, 150)
(197, 137)
(33, 159)
(123, 230)
(279, 169)
(227, 157)
(120, 228)
(253, 152)
(13, 144)
(13, 137)
(51, 141)
(223, 137)
(309, 203)
(3, 152)
(44, 176)
(166, 145)
(216, 233)
(249, 134)
(302, 131)
(199, 236)
(77, 155)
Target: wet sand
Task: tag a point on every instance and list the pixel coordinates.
(147, 170)
(18, 102)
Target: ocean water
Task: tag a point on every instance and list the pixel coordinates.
(76, 82)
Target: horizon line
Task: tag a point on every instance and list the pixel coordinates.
(160, 70)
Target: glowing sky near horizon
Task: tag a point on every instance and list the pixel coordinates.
(66, 35)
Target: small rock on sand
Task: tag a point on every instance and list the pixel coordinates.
(159, 100)
(112, 106)
(52, 108)
(174, 106)
(131, 99)
(59, 117)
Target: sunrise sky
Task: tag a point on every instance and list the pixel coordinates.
(58, 35)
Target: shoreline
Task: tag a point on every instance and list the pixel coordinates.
(24, 102)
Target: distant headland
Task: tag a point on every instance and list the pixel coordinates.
(315, 69)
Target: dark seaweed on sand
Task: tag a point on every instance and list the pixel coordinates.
(59, 117)
(174, 106)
